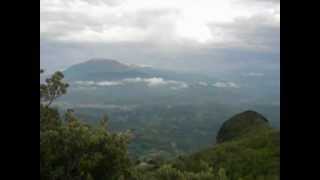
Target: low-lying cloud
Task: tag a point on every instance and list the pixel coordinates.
(202, 83)
(154, 82)
(157, 81)
(109, 83)
(253, 74)
(149, 82)
(226, 85)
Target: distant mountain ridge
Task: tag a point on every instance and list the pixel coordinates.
(101, 64)
(103, 69)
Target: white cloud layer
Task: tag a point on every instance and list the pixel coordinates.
(109, 83)
(154, 82)
(226, 85)
(149, 82)
(202, 83)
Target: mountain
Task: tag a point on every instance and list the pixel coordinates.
(102, 69)
(108, 69)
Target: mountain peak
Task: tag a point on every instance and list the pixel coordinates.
(103, 61)
(102, 69)
(100, 65)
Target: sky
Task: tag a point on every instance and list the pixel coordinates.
(202, 35)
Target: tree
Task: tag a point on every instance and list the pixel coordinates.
(53, 88)
(80, 151)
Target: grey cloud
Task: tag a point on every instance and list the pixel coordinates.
(147, 17)
(64, 23)
(61, 24)
(258, 33)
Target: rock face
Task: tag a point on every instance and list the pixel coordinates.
(240, 125)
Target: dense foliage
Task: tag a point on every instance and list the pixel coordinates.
(71, 149)
(252, 157)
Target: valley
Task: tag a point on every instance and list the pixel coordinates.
(168, 113)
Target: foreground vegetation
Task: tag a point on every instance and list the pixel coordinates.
(248, 148)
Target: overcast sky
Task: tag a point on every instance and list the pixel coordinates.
(182, 34)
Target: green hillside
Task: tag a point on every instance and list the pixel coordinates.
(243, 124)
(253, 154)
